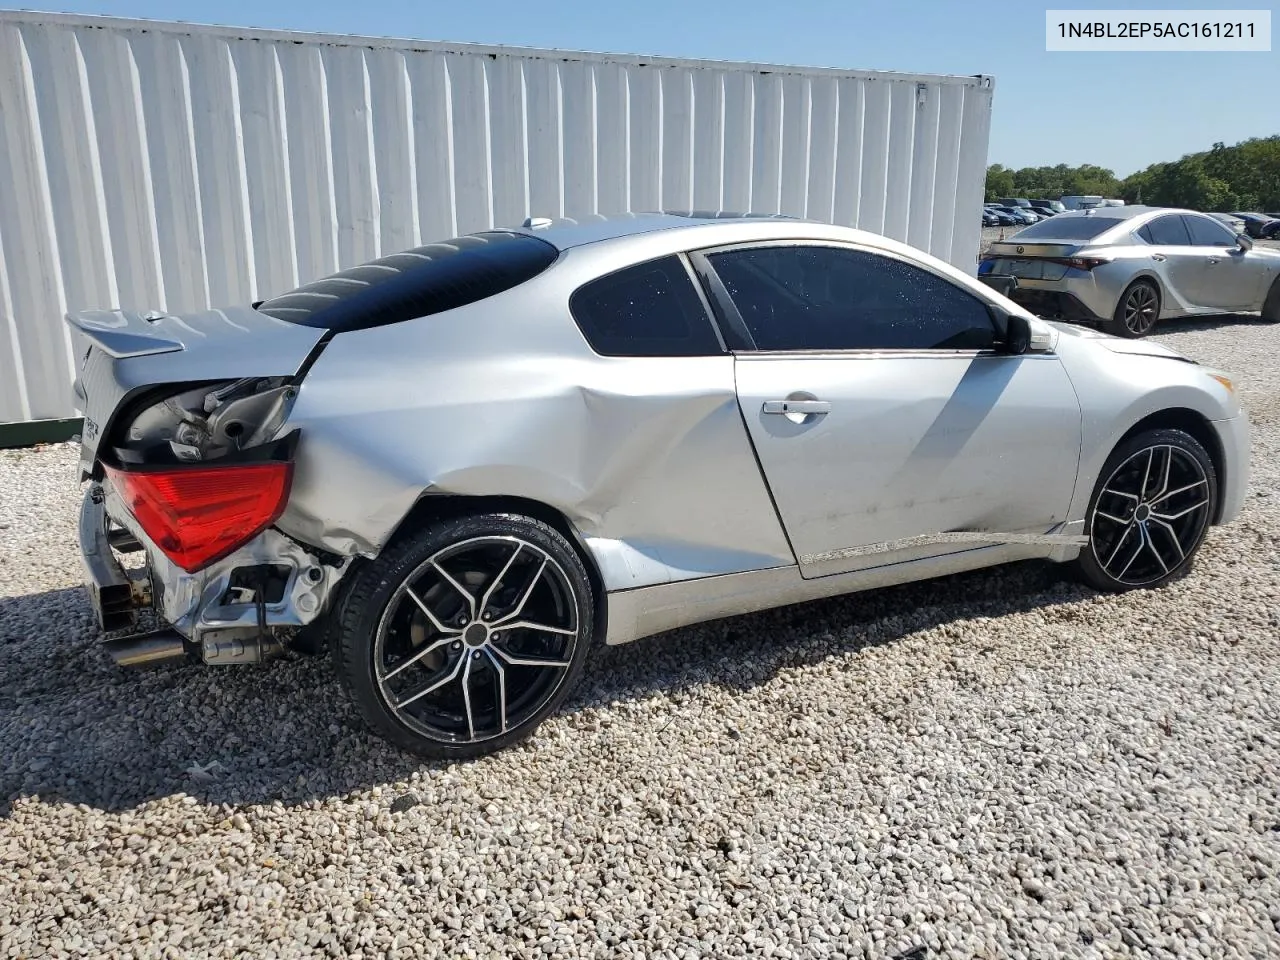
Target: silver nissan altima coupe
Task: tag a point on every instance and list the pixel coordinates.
(1126, 268)
(459, 467)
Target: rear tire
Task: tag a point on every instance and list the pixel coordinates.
(1149, 512)
(459, 641)
(1137, 312)
(1271, 306)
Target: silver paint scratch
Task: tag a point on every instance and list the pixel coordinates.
(951, 537)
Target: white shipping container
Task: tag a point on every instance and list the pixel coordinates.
(171, 166)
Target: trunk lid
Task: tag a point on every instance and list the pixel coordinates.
(1029, 261)
(121, 354)
(1027, 248)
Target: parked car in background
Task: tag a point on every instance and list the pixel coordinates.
(1125, 268)
(1081, 202)
(776, 410)
(1258, 225)
(1022, 215)
(1048, 207)
(1004, 218)
(990, 218)
(1233, 223)
(1020, 202)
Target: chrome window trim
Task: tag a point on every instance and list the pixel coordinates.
(707, 309)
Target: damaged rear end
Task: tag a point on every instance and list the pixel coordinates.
(189, 461)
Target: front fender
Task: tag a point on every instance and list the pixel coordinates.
(1118, 391)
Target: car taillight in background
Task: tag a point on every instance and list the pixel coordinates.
(1081, 263)
(196, 514)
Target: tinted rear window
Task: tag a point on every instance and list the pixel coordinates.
(649, 310)
(415, 283)
(1166, 231)
(1064, 227)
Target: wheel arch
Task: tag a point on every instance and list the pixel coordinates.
(1198, 426)
(432, 507)
(1154, 279)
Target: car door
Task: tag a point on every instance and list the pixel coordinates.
(1180, 265)
(1231, 280)
(887, 426)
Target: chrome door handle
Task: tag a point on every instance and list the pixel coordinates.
(1158, 257)
(797, 406)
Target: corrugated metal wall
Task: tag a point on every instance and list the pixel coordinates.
(164, 165)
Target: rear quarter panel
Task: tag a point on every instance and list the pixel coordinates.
(648, 458)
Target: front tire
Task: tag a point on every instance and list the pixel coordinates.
(1149, 512)
(462, 639)
(1137, 312)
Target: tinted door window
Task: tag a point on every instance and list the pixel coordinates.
(823, 298)
(1166, 231)
(649, 310)
(1206, 232)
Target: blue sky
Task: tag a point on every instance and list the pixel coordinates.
(1119, 110)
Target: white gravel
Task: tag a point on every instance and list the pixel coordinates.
(1001, 764)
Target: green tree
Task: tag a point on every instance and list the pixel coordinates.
(1245, 176)
(999, 182)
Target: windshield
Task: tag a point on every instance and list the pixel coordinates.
(1066, 227)
(415, 283)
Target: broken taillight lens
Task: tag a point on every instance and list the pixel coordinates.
(197, 514)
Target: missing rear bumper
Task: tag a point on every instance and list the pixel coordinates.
(115, 594)
(243, 609)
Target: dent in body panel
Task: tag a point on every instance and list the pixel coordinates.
(647, 458)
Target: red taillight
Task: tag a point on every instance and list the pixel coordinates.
(1082, 263)
(200, 514)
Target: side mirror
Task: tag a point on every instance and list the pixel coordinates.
(1013, 331)
(1017, 334)
(1244, 242)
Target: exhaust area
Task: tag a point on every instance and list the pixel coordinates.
(158, 649)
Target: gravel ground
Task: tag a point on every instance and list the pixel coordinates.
(1001, 764)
